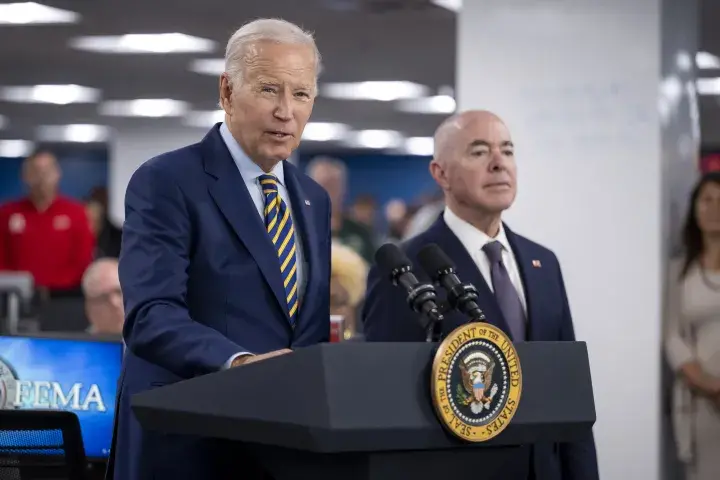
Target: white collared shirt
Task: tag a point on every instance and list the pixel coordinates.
(251, 172)
(474, 240)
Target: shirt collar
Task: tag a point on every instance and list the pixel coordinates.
(249, 170)
(472, 238)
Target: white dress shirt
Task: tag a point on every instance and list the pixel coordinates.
(474, 240)
(251, 173)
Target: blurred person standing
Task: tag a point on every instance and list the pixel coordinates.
(692, 337)
(519, 282)
(225, 257)
(103, 298)
(46, 233)
(331, 174)
(108, 236)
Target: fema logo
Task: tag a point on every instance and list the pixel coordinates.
(476, 382)
(8, 386)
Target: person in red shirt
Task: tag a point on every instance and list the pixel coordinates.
(45, 233)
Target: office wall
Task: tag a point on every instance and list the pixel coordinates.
(577, 82)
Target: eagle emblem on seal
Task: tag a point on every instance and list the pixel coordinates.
(477, 388)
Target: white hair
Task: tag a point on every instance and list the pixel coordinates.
(264, 29)
(93, 272)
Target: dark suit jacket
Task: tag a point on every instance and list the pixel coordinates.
(201, 282)
(387, 318)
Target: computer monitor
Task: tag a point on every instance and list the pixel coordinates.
(77, 373)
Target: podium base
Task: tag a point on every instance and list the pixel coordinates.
(488, 463)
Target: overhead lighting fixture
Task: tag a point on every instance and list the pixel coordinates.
(706, 60)
(324, 131)
(80, 133)
(144, 43)
(208, 66)
(150, 107)
(422, 146)
(383, 91)
(452, 5)
(15, 148)
(434, 104)
(29, 13)
(708, 86)
(375, 139)
(204, 119)
(55, 94)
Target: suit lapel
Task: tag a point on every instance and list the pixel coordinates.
(227, 188)
(468, 272)
(532, 279)
(302, 213)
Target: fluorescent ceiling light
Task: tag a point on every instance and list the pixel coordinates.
(374, 90)
(434, 104)
(15, 148)
(208, 66)
(204, 119)
(28, 13)
(378, 139)
(55, 94)
(423, 146)
(324, 131)
(452, 5)
(150, 107)
(708, 86)
(706, 60)
(144, 43)
(81, 133)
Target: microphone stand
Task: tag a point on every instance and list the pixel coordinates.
(417, 298)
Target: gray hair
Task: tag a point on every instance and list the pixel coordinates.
(264, 29)
(92, 272)
(329, 162)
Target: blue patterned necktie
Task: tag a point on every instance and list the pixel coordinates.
(505, 292)
(279, 226)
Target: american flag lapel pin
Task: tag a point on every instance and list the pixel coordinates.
(536, 264)
(307, 202)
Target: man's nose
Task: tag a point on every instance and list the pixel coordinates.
(283, 111)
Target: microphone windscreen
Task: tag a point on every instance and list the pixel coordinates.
(432, 259)
(389, 257)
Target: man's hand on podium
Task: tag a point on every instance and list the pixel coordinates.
(245, 359)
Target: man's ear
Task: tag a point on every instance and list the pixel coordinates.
(225, 92)
(438, 173)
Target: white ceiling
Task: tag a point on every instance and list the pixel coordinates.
(360, 40)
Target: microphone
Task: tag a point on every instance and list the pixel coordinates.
(441, 269)
(421, 296)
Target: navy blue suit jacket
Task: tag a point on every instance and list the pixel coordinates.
(201, 282)
(387, 318)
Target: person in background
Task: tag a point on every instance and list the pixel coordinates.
(103, 298)
(363, 210)
(331, 174)
(692, 334)
(46, 234)
(520, 283)
(348, 275)
(108, 236)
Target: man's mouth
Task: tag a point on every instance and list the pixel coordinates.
(278, 134)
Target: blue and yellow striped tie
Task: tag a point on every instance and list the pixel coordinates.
(282, 233)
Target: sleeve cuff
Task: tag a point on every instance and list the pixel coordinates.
(227, 364)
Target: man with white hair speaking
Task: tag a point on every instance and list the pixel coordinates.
(226, 251)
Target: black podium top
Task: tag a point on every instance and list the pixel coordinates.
(359, 397)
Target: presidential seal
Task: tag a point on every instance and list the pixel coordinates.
(8, 386)
(476, 382)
